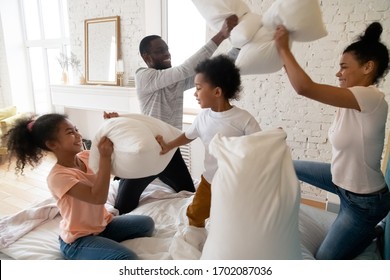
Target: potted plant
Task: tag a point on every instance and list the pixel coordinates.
(64, 61)
(76, 67)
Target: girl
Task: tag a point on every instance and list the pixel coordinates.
(87, 229)
(357, 138)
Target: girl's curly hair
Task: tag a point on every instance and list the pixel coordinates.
(26, 140)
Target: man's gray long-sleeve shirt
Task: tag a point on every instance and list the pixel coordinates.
(160, 92)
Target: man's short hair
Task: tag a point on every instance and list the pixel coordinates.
(144, 45)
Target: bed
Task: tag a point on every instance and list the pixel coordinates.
(167, 208)
(255, 209)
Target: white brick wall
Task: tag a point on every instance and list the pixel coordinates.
(270, 98)
(273, 101)
(131, 27)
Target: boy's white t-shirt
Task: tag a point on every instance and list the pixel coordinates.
(357, 140)
(233, 122)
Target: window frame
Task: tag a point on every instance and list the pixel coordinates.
(62, 44)
(194, 109)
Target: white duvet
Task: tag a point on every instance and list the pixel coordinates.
(167, 243)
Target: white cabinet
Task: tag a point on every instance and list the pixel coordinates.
(95, 97)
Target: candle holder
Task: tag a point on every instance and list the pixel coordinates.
(120, 78)
(120, 71)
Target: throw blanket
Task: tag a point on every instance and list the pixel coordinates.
(15, 226)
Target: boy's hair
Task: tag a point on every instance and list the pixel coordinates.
(26, 140)
(369, 47)
(221, 72)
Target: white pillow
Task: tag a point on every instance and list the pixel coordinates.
(254, 33)
(260, 55)
(136, 151)
(255, 199)
(303, 18)
(216, 11)
(244, 31)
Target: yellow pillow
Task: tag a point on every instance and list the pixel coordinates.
(7, 112)
(11, 120)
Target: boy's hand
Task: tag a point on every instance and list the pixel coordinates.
(163, 145)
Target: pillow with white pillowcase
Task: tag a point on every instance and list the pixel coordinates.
(136, 151)
(246, 28)
(216, 11)
(255, 199)
(255, 30)
(260, 56)
(302, 18)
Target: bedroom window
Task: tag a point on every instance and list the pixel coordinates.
(46, 36)
(183, 44)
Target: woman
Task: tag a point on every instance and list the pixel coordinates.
(357, 137)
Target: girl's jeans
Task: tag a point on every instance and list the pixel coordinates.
(354, 228)
(106, 246)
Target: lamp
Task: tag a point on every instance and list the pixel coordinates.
(120, 71)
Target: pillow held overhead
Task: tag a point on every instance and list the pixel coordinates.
(302, 18)
(216, 11)
(136, 152)
(260, 55)
(245, 29)
(254, 32)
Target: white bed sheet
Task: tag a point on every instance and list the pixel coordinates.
(168, 209)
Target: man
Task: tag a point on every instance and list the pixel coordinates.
(160, 89)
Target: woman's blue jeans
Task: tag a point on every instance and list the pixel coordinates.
(354, 227)
(106, 246)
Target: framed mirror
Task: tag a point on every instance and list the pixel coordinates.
(101, 37)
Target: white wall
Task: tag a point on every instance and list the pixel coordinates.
(132, 26)
(270, 98)
(273, 101)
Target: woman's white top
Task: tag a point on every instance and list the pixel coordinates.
(357, 140)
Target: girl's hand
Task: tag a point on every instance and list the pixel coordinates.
(110, 115)
(164, 147)
(105, 147)
(281, 38)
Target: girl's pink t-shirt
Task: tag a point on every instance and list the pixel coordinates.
(79, 218)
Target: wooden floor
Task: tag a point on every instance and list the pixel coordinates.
(22, 191)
